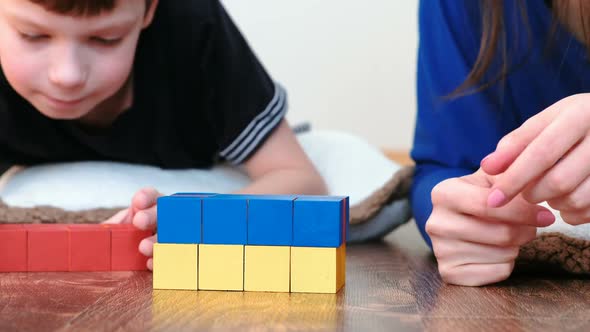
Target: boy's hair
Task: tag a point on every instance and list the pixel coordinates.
(80, 7)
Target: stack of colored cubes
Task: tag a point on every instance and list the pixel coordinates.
(251, 243)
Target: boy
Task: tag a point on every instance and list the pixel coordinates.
(171, 84)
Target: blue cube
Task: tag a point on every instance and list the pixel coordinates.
(225, 219)
(179, 219)
(193, 194)
(320, 221)
(347, 220)
(270, 220)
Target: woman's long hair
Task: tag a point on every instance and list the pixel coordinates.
(493, 38)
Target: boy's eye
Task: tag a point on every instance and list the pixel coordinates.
(33, 37)
(106, 41)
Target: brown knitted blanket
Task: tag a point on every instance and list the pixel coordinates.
(557, 249)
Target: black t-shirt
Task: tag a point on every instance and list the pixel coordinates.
(200, 96)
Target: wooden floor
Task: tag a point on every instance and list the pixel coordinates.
(391, 286)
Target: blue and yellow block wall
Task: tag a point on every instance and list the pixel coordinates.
(251, 243)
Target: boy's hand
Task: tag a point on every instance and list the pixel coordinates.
(546, 159)
(145, 217)
(143, 214)
(473, 243)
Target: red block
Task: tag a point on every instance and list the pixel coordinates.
(48, 248)
(90, 248)
(125, 241)
(13, 248)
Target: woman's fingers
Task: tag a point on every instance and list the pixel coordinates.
(470, 229)
(564, 177)
(546, 138)
(475, 244)
(576, 201)
(576, 218)
(476, 274)
(535, 160)
(466, 198)
(513, 144)
(454, 252)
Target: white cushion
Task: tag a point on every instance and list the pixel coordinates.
(349, 165)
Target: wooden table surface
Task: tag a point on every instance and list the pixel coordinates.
(392, 285)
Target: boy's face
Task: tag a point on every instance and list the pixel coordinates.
(66, 65)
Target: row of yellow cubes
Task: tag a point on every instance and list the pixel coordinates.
(249, 268)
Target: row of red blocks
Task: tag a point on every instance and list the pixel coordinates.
(61, 247)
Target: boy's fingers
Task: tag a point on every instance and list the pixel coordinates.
(119, 217)
(468, 199)
(146, 246)
(150, 264)
(145, 198)
(537, 158)
(146, 219)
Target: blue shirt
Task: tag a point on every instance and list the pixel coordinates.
(453, 134)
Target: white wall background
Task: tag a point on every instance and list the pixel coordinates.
(346, 64)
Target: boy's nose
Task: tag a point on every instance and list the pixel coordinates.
(68, 71)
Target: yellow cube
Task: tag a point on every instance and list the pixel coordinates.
(175, 266)
(317, 270)
(267, 268)
(341, 273)
(221, 267)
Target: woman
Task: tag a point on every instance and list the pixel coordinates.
(506, 80)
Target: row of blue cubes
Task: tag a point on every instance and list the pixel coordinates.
(207, 218)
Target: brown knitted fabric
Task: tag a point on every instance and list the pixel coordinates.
(557, 249)
(52, 215)
(396, 188)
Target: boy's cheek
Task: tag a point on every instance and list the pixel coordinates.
(20, 72)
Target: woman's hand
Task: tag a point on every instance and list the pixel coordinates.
(473, 243)
(547, 159)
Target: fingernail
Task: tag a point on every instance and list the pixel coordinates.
(545, 218)
(496, 198)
